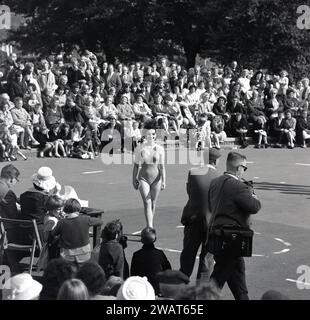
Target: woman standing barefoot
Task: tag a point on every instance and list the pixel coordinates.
(149, 173)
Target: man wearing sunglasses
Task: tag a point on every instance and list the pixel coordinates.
(231, 202)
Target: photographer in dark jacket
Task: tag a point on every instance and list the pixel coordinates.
(232, 201)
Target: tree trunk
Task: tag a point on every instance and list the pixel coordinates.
(190, 52)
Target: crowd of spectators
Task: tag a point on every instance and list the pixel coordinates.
(73, 105)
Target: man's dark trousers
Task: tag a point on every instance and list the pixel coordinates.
(232, 271)
(195, 234)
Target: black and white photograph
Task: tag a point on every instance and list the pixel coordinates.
(156, 151)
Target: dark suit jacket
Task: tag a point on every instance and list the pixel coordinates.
(147, 262)
(232, 202)
(197, 187)
(113, 81)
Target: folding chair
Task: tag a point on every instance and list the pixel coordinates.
(22, 225)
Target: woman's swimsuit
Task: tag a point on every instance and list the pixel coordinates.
(149, 158)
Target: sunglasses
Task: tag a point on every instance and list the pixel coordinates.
(244, 167)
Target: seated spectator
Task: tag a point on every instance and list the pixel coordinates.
(290, 102)
(125, 111)
(65, 136)
(22, 123)
(239, 128)
(217, 131)
(72, 112)
(54, 113)
(136, 288)
(260, 132)
(273, 105)
(171, 282)
(8, 199)
(37, 118)
(255, 107)
(111, 133)
(289, 129)
(8, 144)
(55, 141)
(277, 128)
(45, 147)
(94, 278)
(149, 260)
(74, 233)
(55, 274)
(18, 87)
(21, 287)
(173, 110)
(61, 96)
(33, 201)
(220, 109)
(92, 115)
(141, 110)
(204, 105)
(203, 132)
(303, 129)
(111, 256)
(73, 289)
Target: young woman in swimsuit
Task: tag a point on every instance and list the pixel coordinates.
(149, 173)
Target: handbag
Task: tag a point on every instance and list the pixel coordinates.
(229, 240)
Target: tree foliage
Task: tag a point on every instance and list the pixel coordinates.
(258, 33)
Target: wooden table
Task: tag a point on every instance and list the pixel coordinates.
(94, 213)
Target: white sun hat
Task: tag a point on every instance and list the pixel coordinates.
(136, 288)
(44, 179)
(21, 287)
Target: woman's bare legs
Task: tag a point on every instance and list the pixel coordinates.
(155, 190)
(145, 191)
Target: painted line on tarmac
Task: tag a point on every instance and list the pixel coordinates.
(299, 282)
(179, 226)
(283, 182)
(282, 241)
(303, 164)
(255, 177)
(91, 172)
(282, 251)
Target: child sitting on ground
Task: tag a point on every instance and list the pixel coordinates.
(65, 136)
(58, 144)
(8, 145)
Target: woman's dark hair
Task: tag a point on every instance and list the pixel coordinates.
(53, 202)
(55, 274)
(93, 277)
(110, 231)
(72, 205)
